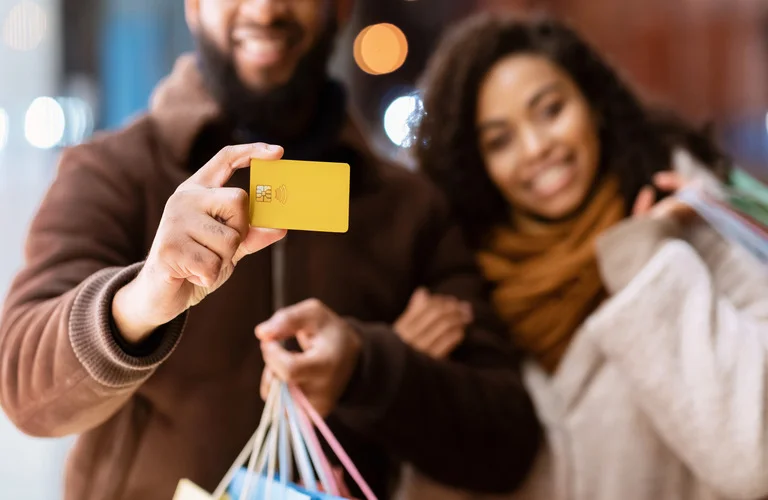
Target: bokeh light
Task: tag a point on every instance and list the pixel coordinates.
(401, 116)
(380, 49)
(78, 117)
(4, 128)
(44, 123)
(25, 26)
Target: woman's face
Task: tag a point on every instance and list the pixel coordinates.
(537, 136)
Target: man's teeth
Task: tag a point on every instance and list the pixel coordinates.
(262, 45)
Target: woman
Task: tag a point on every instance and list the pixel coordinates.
(646, 331)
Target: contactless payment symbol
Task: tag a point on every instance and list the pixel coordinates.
(264, 194)
(281, 194)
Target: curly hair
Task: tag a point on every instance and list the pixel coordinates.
(635, 141)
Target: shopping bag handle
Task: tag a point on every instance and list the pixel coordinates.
(320, 461)
(254, 443)
(302, 401)
(302, 457)
(279, 402)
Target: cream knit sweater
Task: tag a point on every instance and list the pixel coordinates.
(663, 393)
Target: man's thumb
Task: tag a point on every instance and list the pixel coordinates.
(258, 238)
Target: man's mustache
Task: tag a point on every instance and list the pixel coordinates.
(291, 30)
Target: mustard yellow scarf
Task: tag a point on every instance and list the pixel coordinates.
(547, 284)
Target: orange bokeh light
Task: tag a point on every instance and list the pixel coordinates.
(380, 49)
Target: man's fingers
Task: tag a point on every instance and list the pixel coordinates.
(419, 297)
(290, 367)
(215, 236)
(227, 205)
(220, 168)
(308, 315)
(304, 339)
(257, 239)
(195, 262)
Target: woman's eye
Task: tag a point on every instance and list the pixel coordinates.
(497, 142)
(552, 109)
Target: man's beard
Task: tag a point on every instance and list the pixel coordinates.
(278, 113)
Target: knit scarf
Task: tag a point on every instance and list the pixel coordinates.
(546, 284)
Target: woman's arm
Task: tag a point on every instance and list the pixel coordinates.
(689, 330)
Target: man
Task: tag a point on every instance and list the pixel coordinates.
(130, 326)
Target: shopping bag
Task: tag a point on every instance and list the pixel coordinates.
(743, 182)
(289, 491)
(738, 211)
(285, 435)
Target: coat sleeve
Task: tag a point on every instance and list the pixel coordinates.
(689, 329)
(62, 368)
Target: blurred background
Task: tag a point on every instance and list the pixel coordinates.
(69, 68)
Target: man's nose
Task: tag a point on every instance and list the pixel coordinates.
(263, 12)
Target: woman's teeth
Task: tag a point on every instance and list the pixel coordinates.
(551, 180)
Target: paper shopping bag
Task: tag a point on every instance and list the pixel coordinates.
(187, 490)
(288, 491)
(738, 212)
(285, 435)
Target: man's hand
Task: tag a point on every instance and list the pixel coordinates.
(203, 233)
(433, 324)
(330, 350)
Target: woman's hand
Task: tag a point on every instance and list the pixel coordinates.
(433, 324)
(671, 207)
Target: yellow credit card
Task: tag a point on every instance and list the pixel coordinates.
(300, 195)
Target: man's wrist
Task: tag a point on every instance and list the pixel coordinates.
(132, 325)
(350, 365)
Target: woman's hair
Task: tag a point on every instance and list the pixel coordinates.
(635, 143)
